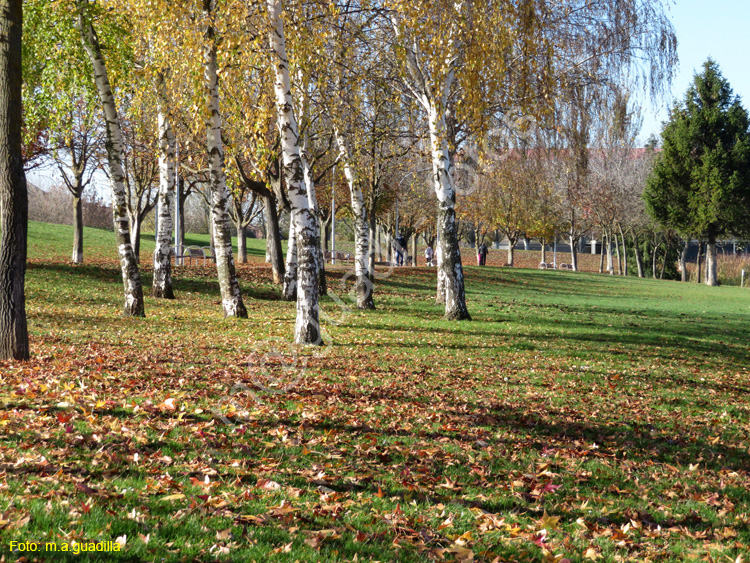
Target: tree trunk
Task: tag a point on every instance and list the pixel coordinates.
(374, 241)
(307, 327)
(364, 285)
(135, 236)
(290, 273)
(414, 250)
(183, 199)
(134, 305)
(698, 278)
(573, 254)
(544, 253)
(511, 252)
(449, 253)
(320, 262)
(231, 297)
(624, 252)
(610, 264)
(77, 256)
(241, 243)
(441, 275)
(273, 240)
(162, 284)
(325, 232)
(601, 257)
(683, 261)
(711, 278)
(14, 207)
(638, 257)
(618, 255)
(654, 253)
(379, 245)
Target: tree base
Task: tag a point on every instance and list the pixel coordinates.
(162, 292)
(457, 316)
(236, 310)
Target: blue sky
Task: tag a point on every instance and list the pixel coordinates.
(716, 28)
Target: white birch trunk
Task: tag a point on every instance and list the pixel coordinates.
(449, 254)
(135, 235)
(131, 278)
(440, 292)
(434, 99)
(231, 298)
(364, 282)
(573, 254)
(290, 271)
(307, 327)
(320, 262)
(162, 285)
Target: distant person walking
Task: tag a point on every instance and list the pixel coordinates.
(429, 255)
(483, 254)
(399, 245)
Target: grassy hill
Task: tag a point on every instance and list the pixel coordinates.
(577, 416)
(54, 242)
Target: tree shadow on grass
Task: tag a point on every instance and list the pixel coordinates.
(201, 282)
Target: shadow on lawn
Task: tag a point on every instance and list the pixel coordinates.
(197, 280)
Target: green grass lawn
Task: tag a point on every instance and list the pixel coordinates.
(576, 417)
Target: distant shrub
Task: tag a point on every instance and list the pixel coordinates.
(55, 205)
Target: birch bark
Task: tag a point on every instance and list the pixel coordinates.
(433, 96)
(231, 297)
(290, 271)
(449, 254)
(162, 285)
(307, 328)
(364, 282)
(320, 262)
(573, 253)
(134, 306)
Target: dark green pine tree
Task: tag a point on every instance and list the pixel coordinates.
(700, 184)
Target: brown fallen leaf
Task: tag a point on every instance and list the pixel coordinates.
(268, 485)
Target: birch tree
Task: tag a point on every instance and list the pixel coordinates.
(162, 284)
(307, 328)
(430, 73)
(231, 297)
(134, 305)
